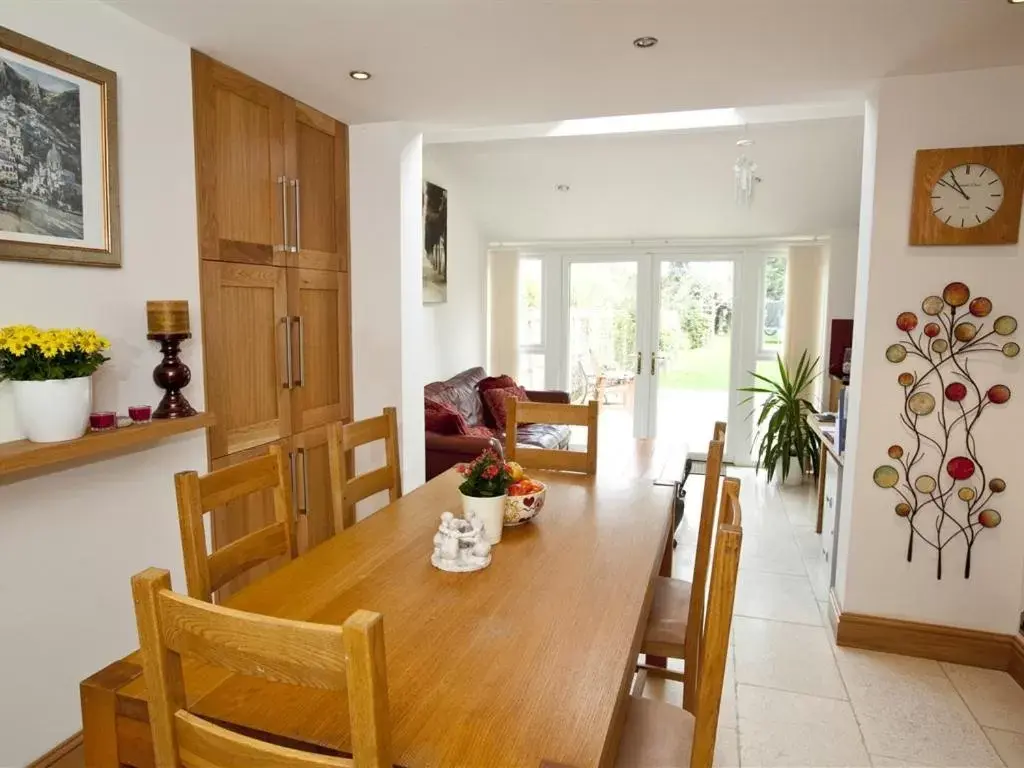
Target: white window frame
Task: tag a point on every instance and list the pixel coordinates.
(541, 348)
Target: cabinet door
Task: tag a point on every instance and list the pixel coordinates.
(314, 506)
(246, 515)
(318, 184)
(240, 165)
(319, 305)
(245, 309)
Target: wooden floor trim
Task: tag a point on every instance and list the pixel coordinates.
(59, 752)
(931, 641)
(1016, 666)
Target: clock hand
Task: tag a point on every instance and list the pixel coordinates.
(959, 187)
(954, 188)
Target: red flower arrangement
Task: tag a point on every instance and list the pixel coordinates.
(486, 477)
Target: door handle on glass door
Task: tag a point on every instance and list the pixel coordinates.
(639, 363)
(655, 359)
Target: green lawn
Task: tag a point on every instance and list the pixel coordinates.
(707, 367)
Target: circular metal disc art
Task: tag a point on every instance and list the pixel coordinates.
(956, 294)
(886, 476)
(906, 321)
(925, 483)
(896, 353)
(965, 331)
(922, 403)
(939, 474)
(1004, 325)
(990, 518)
(933, 305)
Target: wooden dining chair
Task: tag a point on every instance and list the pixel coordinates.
(526, 412)
(677, 607)
(204, 572)
(292, 652)
(345, 490)
(660, 735)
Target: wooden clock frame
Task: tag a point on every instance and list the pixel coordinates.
(1002, 229)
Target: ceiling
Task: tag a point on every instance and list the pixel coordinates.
(657, 185)
(512, 61)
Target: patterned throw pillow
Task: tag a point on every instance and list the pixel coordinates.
(495, 398)
(442, 419)
(493, 382)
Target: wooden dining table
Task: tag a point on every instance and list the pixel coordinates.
(526, 661)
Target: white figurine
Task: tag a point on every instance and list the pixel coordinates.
(459, 544)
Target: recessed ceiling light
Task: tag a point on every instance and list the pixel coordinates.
(745, 143)
(359, 74)
(562, 187)
(650, 42)
(1016, 2)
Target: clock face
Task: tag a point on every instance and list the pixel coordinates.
(967, 196)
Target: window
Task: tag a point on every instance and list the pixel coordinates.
(531, 323)
(773, 307)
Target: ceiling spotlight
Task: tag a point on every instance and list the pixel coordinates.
(745, 143)
(562, 187)
(359, 74)
(1016, 2)
(650, 42)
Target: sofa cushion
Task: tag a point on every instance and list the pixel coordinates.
(442, 418)
(460, 393)
(484, 386)
(543, 435)
(494, 400)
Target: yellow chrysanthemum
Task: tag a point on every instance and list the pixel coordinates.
(16, 347)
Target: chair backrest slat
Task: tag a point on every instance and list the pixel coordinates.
(715, 640)
(197, 495)
(701, 563)
(293, 652)
(346, 489)
(526, 412)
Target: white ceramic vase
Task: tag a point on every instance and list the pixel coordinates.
(53, 411)
(490, 510)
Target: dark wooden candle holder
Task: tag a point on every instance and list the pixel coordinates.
(172, 375)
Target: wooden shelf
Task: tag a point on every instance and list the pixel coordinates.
(22, 457)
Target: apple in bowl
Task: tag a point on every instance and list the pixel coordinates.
(525, 499)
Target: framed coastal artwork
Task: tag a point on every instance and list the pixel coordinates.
(435, 244)
(58, 156)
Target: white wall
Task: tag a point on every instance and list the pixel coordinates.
(874, 576)
(386, 181)
(70, 541)
(454, 333)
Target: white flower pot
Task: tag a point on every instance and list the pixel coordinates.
(796, 472)
(53, 411)
(491, 512)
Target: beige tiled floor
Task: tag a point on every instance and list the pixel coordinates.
(792, 698)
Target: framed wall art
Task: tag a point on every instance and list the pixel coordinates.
(58, 156)
(435, 244)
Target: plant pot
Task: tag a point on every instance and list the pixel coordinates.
(796, 473)
(53, 411)
(490, 510)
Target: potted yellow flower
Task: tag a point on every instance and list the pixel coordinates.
(51, 378)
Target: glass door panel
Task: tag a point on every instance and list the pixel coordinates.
(694, 345)
(602, 341)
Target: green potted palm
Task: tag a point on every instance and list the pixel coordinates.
(786, 444)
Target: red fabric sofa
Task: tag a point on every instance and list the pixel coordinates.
(460, 393)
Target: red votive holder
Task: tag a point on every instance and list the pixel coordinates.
(140, 414)
(102, 421)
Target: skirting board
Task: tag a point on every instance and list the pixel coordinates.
(61, 750)
(930, 641)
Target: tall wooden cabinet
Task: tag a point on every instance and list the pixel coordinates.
(272, 178)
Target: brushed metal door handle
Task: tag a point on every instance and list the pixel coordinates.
(283, 183)
(302, 351)
(297, 211)
(304, 507)
(295, 488)
(287, 323)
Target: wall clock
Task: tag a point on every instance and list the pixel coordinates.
(967, 196)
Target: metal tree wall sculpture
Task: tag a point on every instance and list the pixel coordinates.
(945, 493)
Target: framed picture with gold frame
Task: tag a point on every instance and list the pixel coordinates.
(967, 196)
(58, 156)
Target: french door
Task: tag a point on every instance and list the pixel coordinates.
(661, 340)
